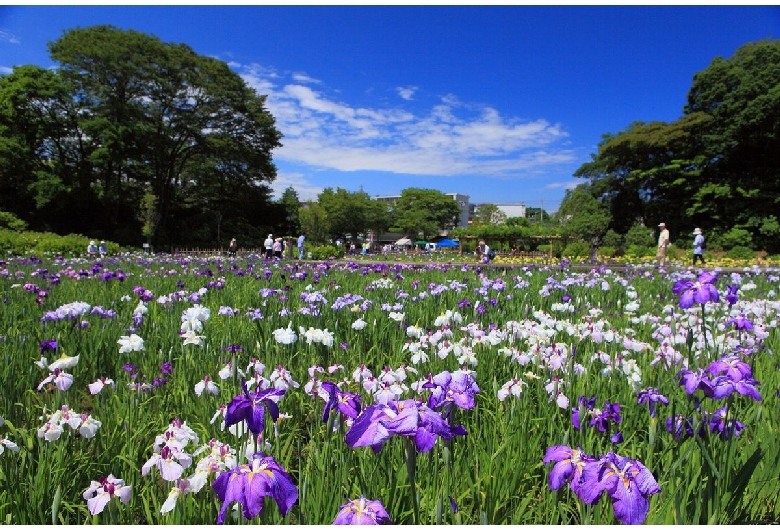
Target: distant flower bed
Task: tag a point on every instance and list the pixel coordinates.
(158, 389)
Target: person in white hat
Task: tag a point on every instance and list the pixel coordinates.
(663, 244)
(269, 246)
(698, 246)
(92, 248)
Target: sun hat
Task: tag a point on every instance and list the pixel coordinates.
(661, 224)
(697, 231)
(92, 242)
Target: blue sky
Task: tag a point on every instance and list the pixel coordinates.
(500, 103)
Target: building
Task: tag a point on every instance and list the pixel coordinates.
(516, 209)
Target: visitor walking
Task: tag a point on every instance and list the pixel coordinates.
(699, 246)
(268, 244)
(663, 244)
(301, 241)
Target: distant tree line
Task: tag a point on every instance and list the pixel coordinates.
(132, 137)
(716, 168)
(136, 140)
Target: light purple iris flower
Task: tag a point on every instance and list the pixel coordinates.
(629, 484)
(249, 484)
(576, 468)
(457, 388)
(732, 366)
(362, 511)
(379, 422)
(723, 386)
(701, 291)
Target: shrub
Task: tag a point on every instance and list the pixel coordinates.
(576, 249)
(640, 251)
(639, 235)
(10, 221)
(612, 239)
(741, 252)
(607, 252)
(326, 251)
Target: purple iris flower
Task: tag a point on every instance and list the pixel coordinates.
(166, 368)
(345, 402)
(362, 511)
(692, 380)
(723, 386)
(448, 388)
(741, 323)
(48, 345)
(584, 404)
(575, 467)
(379, 422)
(679, 426)
(701, 291)
(651, 396)
(250, 406)
(249, 484)
(731, 366)
(724, 426)
(609, 414)
(731, 294)
(629, 484)
(616, 438)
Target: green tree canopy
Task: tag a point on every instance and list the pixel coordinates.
(425, 212)
(128, 114)
(716, 167)
(351, 214)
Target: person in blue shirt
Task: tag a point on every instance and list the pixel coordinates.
(92, 249)
(301, 240)
(698, 246)
(103, 249)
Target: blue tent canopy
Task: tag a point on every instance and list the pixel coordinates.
(447, 243)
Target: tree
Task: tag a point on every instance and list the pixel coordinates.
(715, 167)
(158, 115)
(488, 214)
(314, 222)
(351, 214)
(291, 204)
(582, 216)
(425, 212)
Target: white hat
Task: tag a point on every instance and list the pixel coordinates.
(661, 224)
(91, 242)
(697, 231)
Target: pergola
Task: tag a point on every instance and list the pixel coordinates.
(510, 239)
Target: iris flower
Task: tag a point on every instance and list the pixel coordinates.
(629, 484)
(701, 291)
(458, 388)
(362, 511)
(651, 396)
(249, 484)
(723, 386)
(250, 406)
(102, 491)
(575, 467)
(345, 402)
(379, 422)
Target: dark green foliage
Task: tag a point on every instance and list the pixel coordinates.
(125, 116)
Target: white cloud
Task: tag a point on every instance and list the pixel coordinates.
(303, 78)
(5, 70)
(406, 92)
(303, 188)
(8, 37)
(450, 138)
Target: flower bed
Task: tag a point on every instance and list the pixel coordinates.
(168, 390)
